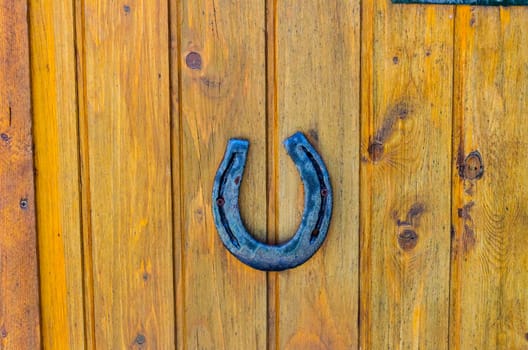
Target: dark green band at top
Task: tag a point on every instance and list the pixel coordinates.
(466, 2)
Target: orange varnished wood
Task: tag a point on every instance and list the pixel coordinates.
(54, 101)
(405, 175)
(489, 298)
(221, 52)
(317, 74)
(19, 297)
(126, 159)
(134, 102)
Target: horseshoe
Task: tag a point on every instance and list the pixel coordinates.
(315, 219)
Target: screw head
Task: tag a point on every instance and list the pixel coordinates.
(24, 204)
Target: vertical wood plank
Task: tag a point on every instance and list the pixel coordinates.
(318, 56)
(126, 127)
(19, 300)
(490, 250)
(405, 175)
(52, 30)
(223, 78)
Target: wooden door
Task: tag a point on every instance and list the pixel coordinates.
(417, 110)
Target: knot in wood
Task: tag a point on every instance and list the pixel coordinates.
(407, 239)
(193, 60)
(375, 151)
(140, 339)
(473, 168)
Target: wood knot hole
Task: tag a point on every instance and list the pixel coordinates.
(376, 150)
(473, 168)
(407, 239)
(140, 339)
(193, 60)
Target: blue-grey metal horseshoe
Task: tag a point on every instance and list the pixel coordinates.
(315, 220)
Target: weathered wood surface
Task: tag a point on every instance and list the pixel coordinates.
(134, 103)
(126, 156)
(405, 175)
(317, 46)
(489, 300)
(221, 52)
(19, 297)
(54, 102)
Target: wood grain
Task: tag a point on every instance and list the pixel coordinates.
(223, 78)
(131, 120)
(19, 298)
(57, 178)
(405, 175)
(489, 307)
(126, 149)
(318, 53)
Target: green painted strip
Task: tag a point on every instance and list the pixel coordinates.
(465, 2)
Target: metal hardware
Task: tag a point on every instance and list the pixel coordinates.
(315, 220)
(465, 2)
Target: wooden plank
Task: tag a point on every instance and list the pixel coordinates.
(405, 175)
(490, 251)
(127, 151)
(57, 178)
(318, 55)
(223, 78)
(19, 300)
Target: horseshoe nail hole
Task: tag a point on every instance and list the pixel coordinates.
(407, 240)
(324, 192)
(314, 235)
(220, 201)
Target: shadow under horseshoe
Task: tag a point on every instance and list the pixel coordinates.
(315, 220)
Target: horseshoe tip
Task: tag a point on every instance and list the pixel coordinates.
(294, 140)
(238, 145)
